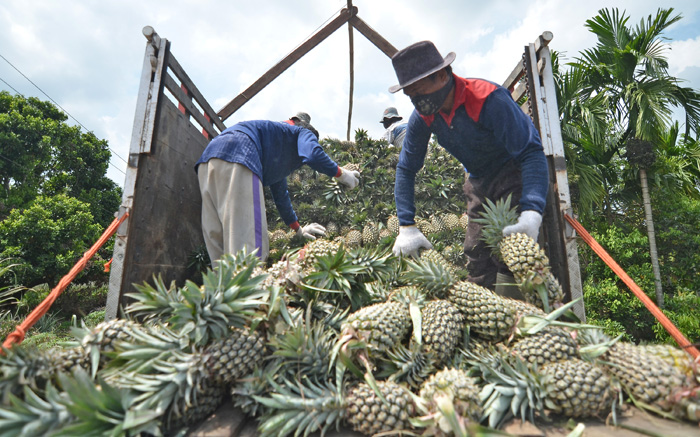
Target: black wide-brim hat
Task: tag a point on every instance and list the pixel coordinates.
(416, 62)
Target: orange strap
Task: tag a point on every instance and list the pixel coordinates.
(651, 306)
(18, 335)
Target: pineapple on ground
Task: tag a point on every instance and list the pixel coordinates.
(425, 226)
(464, 221)
(674, 355)
(523, 256)
(438, 223)
(393, 224)
(451, 221)
(370, 234)
(353, 238)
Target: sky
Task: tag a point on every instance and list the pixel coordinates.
(86, 56)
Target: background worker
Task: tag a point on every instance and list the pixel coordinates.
(395, 128)
(238, 163)
(478, 122)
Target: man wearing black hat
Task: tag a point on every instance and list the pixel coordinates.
(395, 129)
(478, 122)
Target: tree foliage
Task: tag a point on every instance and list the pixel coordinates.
(40, 154)
(48, 238)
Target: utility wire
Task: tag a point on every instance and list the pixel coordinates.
(56, 103)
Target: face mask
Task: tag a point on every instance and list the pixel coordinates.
(429, 104)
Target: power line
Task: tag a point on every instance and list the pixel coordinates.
(56, 103)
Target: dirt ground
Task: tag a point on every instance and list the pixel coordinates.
(230, 422)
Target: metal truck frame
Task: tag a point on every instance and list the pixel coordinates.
(173, 124)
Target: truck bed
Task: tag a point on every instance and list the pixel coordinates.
(231, 422)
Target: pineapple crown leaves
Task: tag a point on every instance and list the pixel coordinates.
(101, 409)
(153, 303)
(322, 404)
(412, 365)
(21, 366)
(510, 389)
(431, 276)
(304, 347)
(32, 415)
(495, 217)
(229, 296)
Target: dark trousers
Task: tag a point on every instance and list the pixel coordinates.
(482, 264)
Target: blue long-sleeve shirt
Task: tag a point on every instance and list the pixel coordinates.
(272, 150)
(484, 130)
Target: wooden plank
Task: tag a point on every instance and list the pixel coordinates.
(285, 63)
(141, 121)
(180, 73)
(156, 85)
(192, 110)
(514, 76)
(375, 38)
(519, 91)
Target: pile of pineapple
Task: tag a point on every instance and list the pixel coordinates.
(338, 332)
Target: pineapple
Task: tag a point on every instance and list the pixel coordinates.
(443, 328)
(573, 388)
(353, 238)
(307, 407)
(316, 248)
(523, 256)
(438, 223)
(487, 315)
(380, 325)
(645, 377)
(576, 388)
(332, 229)
(674, 355)
(550, 345)
(370, 235)
(464, 221)
(425, 226)
(458, 387)
(279, 235)
(451, 221)
(384, 233)
(393, 224)
(352, 167)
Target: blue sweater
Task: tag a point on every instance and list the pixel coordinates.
(484, 130)
(272, 150)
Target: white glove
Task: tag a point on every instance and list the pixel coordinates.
(349, 178)
(310, 231)
(409, 240)
(528, 223)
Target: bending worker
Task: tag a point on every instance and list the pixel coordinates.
(478, 122)
(237, 164)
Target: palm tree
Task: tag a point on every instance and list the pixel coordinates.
(628, 73)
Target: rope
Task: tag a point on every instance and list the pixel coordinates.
(651, 306)
(20, 331)
(352, 71)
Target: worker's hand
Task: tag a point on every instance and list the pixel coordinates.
(528, 223)
(310, 231)
(409, 240)
(349, 178)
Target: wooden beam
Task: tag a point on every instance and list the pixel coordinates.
(285, 63)
(372, 35)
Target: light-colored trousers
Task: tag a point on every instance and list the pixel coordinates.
(233, 209)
